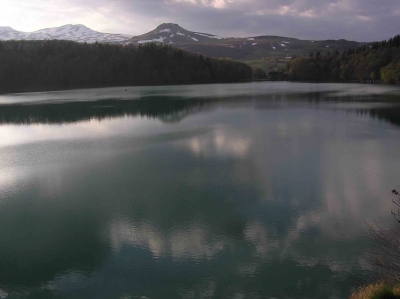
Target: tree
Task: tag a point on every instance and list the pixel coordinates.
(382, 61)
(52, 65)
(259, 74)
(391, 72)
(386, 254)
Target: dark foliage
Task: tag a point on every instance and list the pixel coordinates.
(54, 65)
(167, 109)
(381, 61)
(259, 74)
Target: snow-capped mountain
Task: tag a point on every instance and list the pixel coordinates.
(262, 49)
(174, 34)
(78, 33)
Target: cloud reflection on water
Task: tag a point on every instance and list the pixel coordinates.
(194, 242)
(223, 143)
(281, 189)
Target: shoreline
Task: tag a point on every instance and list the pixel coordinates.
(38, 90)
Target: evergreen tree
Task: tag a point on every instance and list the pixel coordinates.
(52, 65)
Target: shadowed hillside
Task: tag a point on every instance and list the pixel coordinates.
(54, 65)
(380, 62)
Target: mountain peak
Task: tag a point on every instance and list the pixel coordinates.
(168, 25)
(74, 26)
(172, 33)
(7, 28)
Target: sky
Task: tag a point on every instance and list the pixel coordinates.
(360, 20)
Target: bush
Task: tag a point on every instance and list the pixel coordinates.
(380, 290)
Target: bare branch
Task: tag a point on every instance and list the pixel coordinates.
(386, 254)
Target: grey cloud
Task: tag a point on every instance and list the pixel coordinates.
(361, 20)
(377, 23)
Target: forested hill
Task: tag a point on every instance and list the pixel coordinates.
(380, 62)
(54, 65)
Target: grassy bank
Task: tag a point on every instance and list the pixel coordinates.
(379, 290)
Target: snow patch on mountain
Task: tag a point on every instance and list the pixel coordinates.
(160, 40)
(78, 33)
(210, 35)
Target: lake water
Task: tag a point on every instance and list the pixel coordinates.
(257, 190)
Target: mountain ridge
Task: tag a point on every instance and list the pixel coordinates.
(265, 51)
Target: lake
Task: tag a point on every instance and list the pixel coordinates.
(255, 190)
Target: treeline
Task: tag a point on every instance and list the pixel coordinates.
(54, 65)
(167, 109)
(163, 108)
(380, 62)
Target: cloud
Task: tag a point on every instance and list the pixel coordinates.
(223, 143)
(219, 4)
(362, 20)
(192, 242)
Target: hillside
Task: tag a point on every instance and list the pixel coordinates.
(379, 63)
(267, 52)
(260, 51)
(54, 65)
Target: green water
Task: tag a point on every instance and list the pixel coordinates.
(255, 190)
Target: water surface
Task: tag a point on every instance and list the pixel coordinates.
(255, 190)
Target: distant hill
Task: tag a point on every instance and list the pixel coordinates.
(265, 51)
(247, 49)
